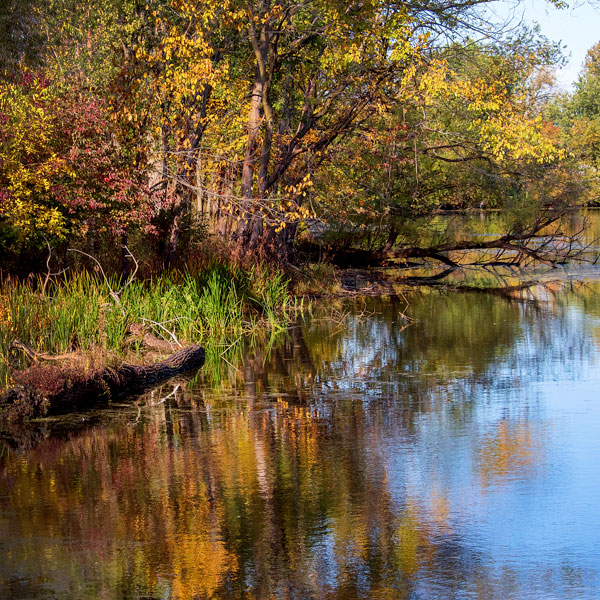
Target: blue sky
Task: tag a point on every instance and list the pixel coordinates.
(577, 27)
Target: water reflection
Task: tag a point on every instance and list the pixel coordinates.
(455, 458)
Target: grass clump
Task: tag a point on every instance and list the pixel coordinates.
(81, 313)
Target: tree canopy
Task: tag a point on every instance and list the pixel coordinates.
(251, 121)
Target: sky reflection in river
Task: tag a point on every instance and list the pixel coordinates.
(456, 458)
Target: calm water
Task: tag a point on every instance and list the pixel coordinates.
(458, 457)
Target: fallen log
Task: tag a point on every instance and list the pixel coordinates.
(519, 246)
(49, 389)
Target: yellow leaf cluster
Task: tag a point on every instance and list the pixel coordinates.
(27, 163)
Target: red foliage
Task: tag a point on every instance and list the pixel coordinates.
(77, 164)
(105, 191)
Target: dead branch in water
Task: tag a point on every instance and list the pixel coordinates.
(518, 247)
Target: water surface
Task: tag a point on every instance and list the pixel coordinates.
(353, 457)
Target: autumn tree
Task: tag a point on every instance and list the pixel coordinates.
(470, 133)
(250, 117)
(250, 96)
(64, 177)
(578, 115)
(67, 173)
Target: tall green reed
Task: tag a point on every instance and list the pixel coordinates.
(218, 305)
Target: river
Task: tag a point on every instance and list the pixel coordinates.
(358, 455)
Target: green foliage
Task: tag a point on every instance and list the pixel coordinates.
(578, 116)
(585, 102)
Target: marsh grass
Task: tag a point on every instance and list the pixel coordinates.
(213, 308)
(317, 279)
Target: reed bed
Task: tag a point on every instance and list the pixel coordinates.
(92, 314)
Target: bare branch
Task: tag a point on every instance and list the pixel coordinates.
(114, 295)
(161, 326)
(49, 274)
(132, 276)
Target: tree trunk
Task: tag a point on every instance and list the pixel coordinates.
(180, 207)
(246, 220)
(253, 128)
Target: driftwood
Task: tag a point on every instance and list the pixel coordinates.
(49, 389)
(37, 356)
(138, 333)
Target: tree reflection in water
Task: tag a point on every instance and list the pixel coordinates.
(337, 463)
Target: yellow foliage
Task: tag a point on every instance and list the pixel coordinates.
(27, 163)
(497, 116)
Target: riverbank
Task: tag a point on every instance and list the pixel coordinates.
(94, 317)
(100, 322)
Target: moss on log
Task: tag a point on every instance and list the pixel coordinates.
(49, 389)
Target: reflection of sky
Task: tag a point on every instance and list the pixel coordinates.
(504, 438)
(534, 518)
